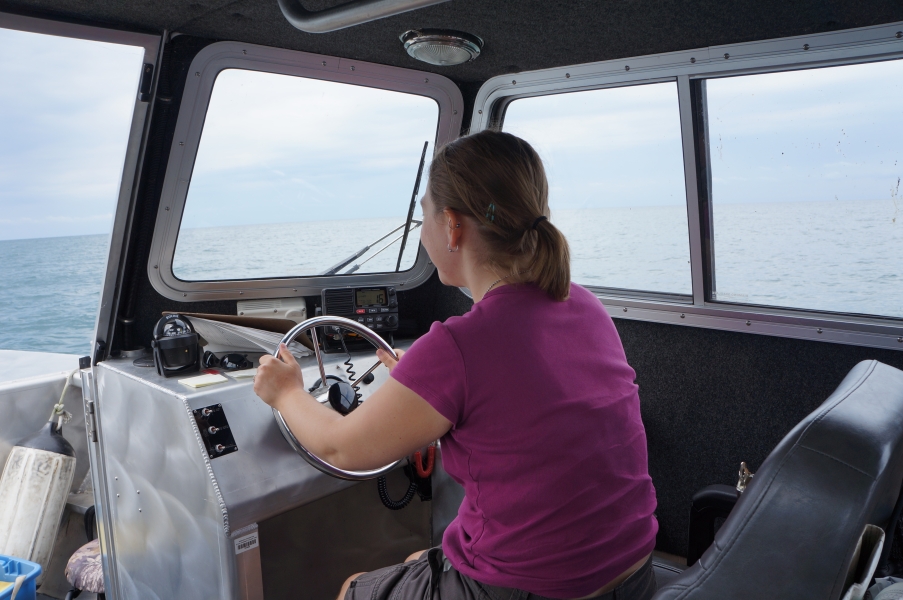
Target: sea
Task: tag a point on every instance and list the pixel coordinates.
(834, 256)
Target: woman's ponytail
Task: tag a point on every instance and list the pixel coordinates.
(498, 180)
(551, 265)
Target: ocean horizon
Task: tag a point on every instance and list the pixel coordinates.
(837, 256)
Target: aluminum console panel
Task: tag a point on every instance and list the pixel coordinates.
(167, 518)
(173, 508)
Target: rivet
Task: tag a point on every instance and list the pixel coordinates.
(818, 330)
(805, 46)
(137, 491)
(324, 63)
(683, 316)
(139, 510)
(241, 313)
(165, 208)
(900, 339)
(426, 80)
(240, 293)
(692, 59)
(480, 112)
(748, 323)
(274, 310)
(567, 75)
(513, 82)
(726, 56)
(626, 67)
(197, 73)
(625, 309)
(184, 295)
(294, 289)
(352, 67)
(117, 495)
(181, 143)
(116, 478)
(244, 51)
(454, 112)
(899, 34)
(155, 266)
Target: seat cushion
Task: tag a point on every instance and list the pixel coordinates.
(84, 569)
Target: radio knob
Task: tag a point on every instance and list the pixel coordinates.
(392, 320)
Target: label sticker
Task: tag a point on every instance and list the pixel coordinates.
(245, 543)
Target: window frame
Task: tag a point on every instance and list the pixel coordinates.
(689, 69)
(205, 68)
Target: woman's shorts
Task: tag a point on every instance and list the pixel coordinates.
(432, 577)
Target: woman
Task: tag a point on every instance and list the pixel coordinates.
(530, 393)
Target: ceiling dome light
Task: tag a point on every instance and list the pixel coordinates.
(441, 47)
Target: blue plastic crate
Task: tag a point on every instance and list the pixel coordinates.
(10, 569)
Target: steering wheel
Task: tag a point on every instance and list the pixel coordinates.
(367, 334)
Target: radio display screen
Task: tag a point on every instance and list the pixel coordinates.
(371, 297)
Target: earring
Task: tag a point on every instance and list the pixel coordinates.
(450, 248)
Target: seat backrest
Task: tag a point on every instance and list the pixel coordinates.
(794, 530)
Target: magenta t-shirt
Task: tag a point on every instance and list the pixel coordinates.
(546, 439)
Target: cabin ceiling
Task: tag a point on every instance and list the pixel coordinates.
(519, 35)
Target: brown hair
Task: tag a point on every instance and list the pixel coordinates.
(498, 179)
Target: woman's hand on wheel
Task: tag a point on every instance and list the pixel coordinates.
(278, 379)
(386, 358)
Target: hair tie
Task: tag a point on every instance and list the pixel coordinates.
(490, 213)
(538, 219)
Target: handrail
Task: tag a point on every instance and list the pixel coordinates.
(347, 15)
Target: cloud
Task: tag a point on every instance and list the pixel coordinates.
(65, 112)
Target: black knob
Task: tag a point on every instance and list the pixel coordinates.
(392, 320)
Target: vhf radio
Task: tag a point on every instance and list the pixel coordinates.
(373, 307)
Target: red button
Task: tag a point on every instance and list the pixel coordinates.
(361, 311)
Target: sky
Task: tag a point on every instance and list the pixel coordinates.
(815, 135)
(65, 110)
(277, 148)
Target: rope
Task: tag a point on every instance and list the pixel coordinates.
(59, 409)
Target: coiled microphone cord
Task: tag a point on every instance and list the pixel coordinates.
(395, 504)
(349, 366)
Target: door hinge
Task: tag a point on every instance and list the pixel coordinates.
(91, 421)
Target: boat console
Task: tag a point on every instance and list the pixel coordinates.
(184, 503)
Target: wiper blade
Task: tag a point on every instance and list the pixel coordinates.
(344, 262)
(416, 224)
(407, 223)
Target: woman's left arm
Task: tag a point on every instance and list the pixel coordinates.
(392, 423)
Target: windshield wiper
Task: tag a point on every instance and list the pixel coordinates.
(415, 224)
(407, 223)
(344, 262)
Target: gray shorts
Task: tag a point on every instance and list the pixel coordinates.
(431, 577)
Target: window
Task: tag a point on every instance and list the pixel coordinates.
(301, 177)
(806, 204)
(65, 113)
(615, 166)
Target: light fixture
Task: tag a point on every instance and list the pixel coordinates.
(441, 47)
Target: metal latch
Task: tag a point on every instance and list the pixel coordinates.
(745, 477)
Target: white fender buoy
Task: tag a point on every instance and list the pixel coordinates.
(33, 491)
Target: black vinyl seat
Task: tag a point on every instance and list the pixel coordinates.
(793, 532)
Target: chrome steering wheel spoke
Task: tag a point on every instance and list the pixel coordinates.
(310, 457)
